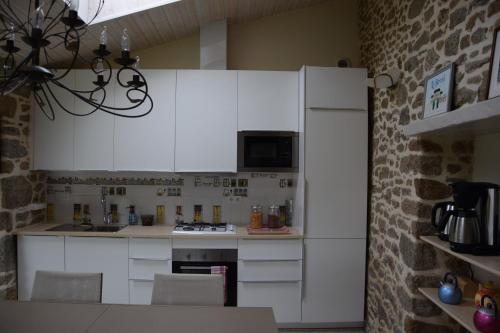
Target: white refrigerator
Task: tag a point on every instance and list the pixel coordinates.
(334, 128)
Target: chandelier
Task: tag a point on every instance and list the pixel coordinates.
(46, 27)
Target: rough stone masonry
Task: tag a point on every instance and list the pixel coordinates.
(22, 192)
(410, 174)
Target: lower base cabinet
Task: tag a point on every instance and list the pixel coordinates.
(140, 291)
(108, 256)
(283, 297)
(37, 253)
(334, 281)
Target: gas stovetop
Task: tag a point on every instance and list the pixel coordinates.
(202, 228)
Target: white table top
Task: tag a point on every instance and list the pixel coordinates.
(43, 317)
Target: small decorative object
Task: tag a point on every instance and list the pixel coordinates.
(494, 82)
(438, 92)
(468, 286)
(132, 216)
(449, 292)
(486, 289)
(147, 220)
(486, 318)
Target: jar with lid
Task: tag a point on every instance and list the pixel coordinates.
(256, 217)
(273, 217)
(77, 213)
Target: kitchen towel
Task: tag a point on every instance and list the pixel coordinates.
(222, 270)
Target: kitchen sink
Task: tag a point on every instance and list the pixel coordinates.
(88, 228)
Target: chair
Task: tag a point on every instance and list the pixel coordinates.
(188, 289)
(67, 287)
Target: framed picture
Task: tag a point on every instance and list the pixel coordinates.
(494, 83)
(438, 92)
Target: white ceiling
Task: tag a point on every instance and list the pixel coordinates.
(167, 22)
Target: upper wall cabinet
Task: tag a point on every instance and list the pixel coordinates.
(206, 121)
(268, 100)
(336, 88)
(53, 147)
(148, 143)
(93, 133)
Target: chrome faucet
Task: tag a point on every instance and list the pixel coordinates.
(106, 219)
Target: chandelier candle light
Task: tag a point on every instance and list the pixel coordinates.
(43, 31)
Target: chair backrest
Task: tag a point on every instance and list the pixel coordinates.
(67, 287)
(188, 289)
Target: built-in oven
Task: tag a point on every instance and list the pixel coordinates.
(210, 261)
(268, 151)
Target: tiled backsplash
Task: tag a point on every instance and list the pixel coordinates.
(235, 193)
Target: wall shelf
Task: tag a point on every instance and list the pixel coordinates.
(477, 119)
(463, 313)
(488, 263)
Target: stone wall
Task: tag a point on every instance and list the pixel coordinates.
(22, 192)
(410, 174)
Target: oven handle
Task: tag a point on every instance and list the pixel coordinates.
(199, 268)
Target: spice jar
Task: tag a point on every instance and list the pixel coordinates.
(256, 217)
(216, 216)
(198, 213)
(77, 213)
(273, 217)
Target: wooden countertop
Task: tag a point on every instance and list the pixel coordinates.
(156, 231)
(42, 317)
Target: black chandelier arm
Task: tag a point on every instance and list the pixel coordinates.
(12, 16)
(86, 100)
(15, 72)
(73, 60)
(39, 101)
(111, 110)
(28, 12)
(55, 20)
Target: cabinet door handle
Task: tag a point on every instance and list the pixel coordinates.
(302, 286)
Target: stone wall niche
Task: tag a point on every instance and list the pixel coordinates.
(410, 174)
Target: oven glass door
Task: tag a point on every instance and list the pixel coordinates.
(204, 267)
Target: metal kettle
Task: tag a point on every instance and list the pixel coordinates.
(449, 292)
(439, 212)
(464, 234)
(486, 318)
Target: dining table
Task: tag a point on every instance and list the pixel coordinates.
(51, 317)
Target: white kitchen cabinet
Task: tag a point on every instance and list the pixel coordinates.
(269, 270)
(93, 133)
(268, 101)
(37, 253)
(150, 248)
(148, 143)
(270, 249)
(145, 269)
(108, 256)
(334, 281)
(336, 173)
(206, 121)
(140, 291)
(336, 88)
(283, 297)
(53, 140)
(269, 275)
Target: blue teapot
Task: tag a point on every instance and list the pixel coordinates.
(449, 292)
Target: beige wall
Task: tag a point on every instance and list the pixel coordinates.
(318, 35)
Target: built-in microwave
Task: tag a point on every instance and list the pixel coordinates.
(268, 151)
